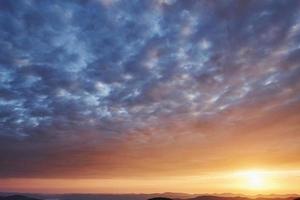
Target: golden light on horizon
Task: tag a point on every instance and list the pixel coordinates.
(255, 179)
(243, 181)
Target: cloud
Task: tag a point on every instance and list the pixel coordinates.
(85, 83)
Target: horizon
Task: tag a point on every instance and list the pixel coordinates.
(164, 194)
(147, 96)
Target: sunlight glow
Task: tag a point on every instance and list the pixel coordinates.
(253, 179)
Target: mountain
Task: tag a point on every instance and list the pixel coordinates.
(17, 197)
(160, 198)
(208, 197)
(211, 197)
(154, 196)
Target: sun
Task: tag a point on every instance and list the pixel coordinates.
(253, 179)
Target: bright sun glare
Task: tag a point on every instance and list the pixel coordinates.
(254, 179)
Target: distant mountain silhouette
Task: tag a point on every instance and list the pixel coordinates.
(160, 198)
(17, 197)
(208, 197)
(205, 197)
(155, 196)
(212, 197)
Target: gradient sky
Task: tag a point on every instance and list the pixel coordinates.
(149, 96)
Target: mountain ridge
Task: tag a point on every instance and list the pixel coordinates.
(153, 196)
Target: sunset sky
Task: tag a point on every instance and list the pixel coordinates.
(112, 96)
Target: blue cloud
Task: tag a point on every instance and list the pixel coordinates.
(113, 68)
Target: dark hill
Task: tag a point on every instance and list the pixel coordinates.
(17, 197)
(218, 198)
(160, 198)
(212, 197)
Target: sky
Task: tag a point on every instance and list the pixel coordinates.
(149, 96)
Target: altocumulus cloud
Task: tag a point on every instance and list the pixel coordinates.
(81, 82)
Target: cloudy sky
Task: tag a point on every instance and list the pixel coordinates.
(114, 92)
